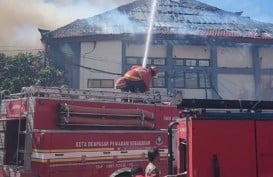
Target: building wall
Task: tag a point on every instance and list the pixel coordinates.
(137, 50)
(267, 87)
(237, 57)
(266, 57)
(195, 52)
(100, 55)
(66, 56)
(196, 93)
(232, 82)
(236, 86)
(231, 68)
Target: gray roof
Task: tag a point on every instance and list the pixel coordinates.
(186, 17)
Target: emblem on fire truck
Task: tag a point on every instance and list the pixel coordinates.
(159, 140)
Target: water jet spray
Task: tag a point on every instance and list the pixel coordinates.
(149, 34)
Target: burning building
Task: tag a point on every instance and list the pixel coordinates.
(202, 51)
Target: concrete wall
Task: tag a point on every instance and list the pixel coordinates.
(195, 52)
(266, 57)
(236, 86)
(107, 56)
(102, 55)
(196, 93)
(267, 87)
(137, 50)
(234, 57)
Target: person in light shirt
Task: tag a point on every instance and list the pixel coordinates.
(152, 169)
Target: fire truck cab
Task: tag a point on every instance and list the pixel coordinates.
(53, 132)
(223, 138)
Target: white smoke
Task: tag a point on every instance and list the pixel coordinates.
(20, 20)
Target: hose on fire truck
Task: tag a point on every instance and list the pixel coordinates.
(95, 116)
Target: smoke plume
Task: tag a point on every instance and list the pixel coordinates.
(20, 19)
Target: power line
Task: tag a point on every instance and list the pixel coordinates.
(94, 69)
(102, 60)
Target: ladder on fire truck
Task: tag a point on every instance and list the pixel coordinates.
(2, 128)
(25, 131)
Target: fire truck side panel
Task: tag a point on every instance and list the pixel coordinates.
(264, 147)
(218, 146)
(94, 153)
(165, 115)
(46, 116)
(40, 165)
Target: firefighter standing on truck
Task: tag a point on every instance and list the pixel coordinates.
(137, 79)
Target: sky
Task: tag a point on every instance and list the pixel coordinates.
(20, 19)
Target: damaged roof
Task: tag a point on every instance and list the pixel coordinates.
(183, 17)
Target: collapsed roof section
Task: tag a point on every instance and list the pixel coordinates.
(179, 17)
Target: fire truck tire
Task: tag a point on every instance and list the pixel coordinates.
(125, 174)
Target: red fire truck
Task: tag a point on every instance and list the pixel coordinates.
(53, 132)
(223, 138)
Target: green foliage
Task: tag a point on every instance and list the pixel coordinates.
(26, 69)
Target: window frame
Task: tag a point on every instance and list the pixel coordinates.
(150, 61)
(159, 63)
(199, 78)
(197, 62)
(89, 81)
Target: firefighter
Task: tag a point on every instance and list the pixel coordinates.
(137, 79)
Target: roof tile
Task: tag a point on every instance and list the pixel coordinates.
(172, 17)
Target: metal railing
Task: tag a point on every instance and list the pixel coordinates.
(68, 93)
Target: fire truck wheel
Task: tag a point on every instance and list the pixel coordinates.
(125, 174)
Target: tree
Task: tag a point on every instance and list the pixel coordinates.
(26, 69)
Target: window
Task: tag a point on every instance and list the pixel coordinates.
(93, 83)
(100, 83)
(159, 61)
(149, 61)
(160, 80)
(190, 62)
(107, 83)
(179, 62)
(132, 61)
(192, 80)
(203, 63)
